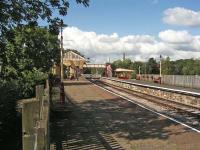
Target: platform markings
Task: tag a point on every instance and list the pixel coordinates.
(165, 116)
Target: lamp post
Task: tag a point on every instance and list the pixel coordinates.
(61, 49)
(62, 93)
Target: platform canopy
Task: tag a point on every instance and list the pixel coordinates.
(94, 66)
(123, 70)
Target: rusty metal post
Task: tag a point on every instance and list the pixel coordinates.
(62, 94)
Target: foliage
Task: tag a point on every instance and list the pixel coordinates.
(13, 13)
(138, 64)
(27, 52)
(178, 67)
(10, 123)
(30, 47)
(167, 66)
(28, 56)
(29, 80)
(133, 75)
(186, 67)
(152, 66)
(126, 64)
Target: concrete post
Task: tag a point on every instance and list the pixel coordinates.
(30, 116)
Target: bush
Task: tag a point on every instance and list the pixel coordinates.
(12, 90)
(133, 75)
(10, 122)
(28, 81)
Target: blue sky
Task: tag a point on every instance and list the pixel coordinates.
(127, 16)
(139, 28)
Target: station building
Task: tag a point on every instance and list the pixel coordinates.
(72, 64)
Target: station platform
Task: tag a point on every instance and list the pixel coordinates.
(162, 85)
(99, 120)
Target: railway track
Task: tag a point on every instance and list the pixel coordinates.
(188, 114)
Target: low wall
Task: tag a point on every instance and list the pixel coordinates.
(35, 120)
(188, 98)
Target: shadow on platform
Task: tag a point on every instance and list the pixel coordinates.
(92, 125)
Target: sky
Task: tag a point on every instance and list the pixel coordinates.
(139, 28)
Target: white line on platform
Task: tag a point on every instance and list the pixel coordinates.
(156, 87)
(149, 109)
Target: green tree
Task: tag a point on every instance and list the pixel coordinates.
(30, 48)
(136, 65)
(19, 13)
(27, 52)
(152, 66)
(13, 12)
(167, 67)
(126, 64)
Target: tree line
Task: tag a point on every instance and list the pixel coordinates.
(169, 67)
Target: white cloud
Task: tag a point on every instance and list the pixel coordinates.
(172, 36)
(99, 47)
(196, 43)
(182, 16)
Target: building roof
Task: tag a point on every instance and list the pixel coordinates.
(123, 70)
(71, 55)
(94, 66)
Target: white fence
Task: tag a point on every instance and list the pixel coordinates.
(182, 80)
(190, 81)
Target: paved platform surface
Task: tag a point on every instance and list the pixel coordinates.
(99, 120)
(162, 85)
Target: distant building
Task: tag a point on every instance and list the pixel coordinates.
(124, 73)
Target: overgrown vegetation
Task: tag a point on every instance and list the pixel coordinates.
(27, 52)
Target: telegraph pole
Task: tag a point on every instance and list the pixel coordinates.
(139, 70)
(160, 66)
(160, 69)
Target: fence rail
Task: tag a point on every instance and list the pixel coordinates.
(190, 81)
(35, 120)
